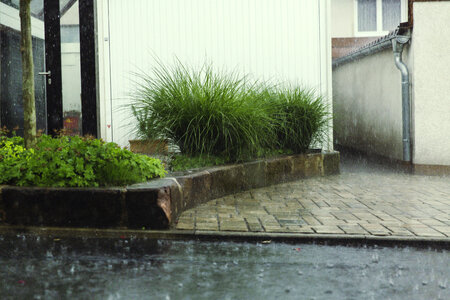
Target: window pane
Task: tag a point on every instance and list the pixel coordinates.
(391, 14)
(367, 15)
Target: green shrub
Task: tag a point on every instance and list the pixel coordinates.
(302, 118)
(208, 113)
(204, 112)
(73, 162)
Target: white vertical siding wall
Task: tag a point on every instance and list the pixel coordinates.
(278, 40)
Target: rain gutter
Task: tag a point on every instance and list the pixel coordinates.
(374, 47)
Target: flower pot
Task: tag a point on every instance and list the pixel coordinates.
(149, 146)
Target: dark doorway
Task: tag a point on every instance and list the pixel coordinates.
(70, 71)
(64, 58)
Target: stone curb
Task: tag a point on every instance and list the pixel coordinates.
(155, 204)
(267, 238)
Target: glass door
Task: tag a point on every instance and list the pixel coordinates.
(70, 66)
(63, 66)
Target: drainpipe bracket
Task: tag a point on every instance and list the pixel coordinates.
(402, 39)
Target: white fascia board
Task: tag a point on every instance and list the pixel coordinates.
(103, 70)
(9, 17)
(326, 66)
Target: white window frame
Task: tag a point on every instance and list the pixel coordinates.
(379, 31)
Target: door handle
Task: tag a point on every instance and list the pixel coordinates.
(49, 73)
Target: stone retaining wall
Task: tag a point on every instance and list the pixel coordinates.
(155, 204)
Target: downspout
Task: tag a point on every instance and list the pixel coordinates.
(397, 44)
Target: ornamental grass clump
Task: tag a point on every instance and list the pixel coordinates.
(204, 112)
(302, 118)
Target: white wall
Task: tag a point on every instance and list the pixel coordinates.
(284, 41)
(367, 103)
(431, 88)
(342, 18)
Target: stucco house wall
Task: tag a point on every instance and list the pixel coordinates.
(342, 18)
(431, 85)
(367, 105)
(367, 94)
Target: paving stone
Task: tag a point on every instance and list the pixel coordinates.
(327, 229)
(185, 226)
(251, 219)
(205, 220)
(392, 224)
(305, 229)
(270, 224)
(233, 226)
(285, 222)
(347, 216)
(443, 229)
(376, 229)
(331, 221)
(400, 231)
(270, 228)
(255, 227)
(297, 229)
(425, 231)
(311, 220)
(431, 222)
(353, 229)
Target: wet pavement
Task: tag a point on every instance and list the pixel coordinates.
(366, 199)
(36, 267)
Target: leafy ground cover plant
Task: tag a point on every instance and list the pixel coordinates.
(73, 162)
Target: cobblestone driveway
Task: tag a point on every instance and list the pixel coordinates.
(363, 203)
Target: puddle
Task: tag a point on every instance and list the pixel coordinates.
(46, 268)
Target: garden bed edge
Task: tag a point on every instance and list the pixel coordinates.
(155, 204)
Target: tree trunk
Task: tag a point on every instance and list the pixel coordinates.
(26, 49)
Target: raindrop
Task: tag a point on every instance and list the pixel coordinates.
(29, 268)
(375, 258)
(391, 282)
